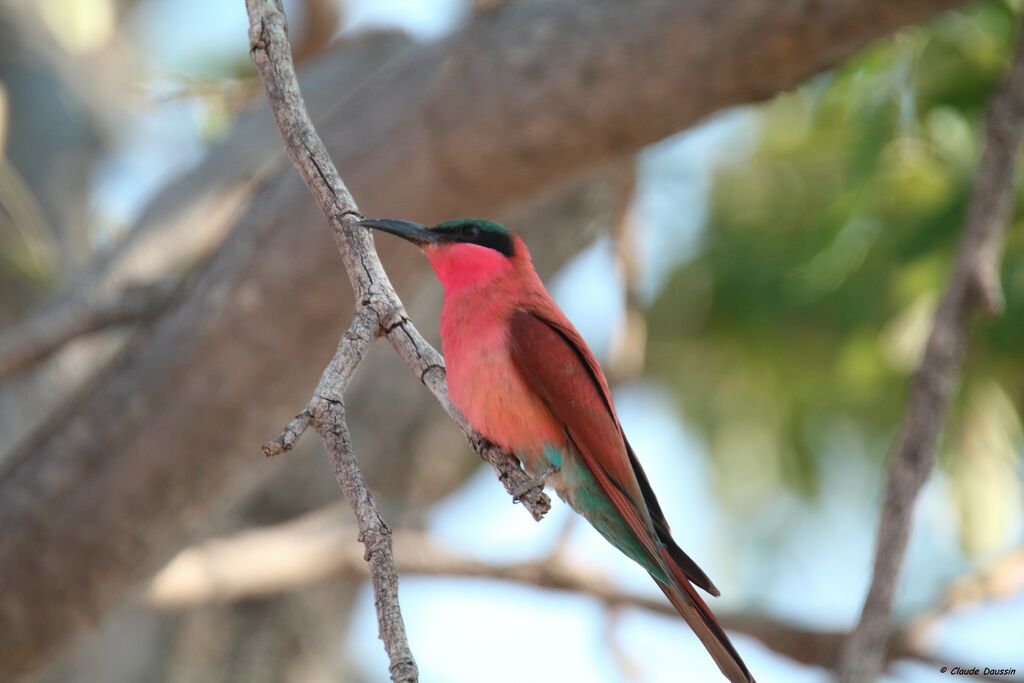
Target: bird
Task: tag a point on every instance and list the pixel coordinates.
(525, 379)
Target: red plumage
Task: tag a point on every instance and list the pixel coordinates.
(525, 379)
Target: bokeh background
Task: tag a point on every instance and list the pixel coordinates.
(759, 286)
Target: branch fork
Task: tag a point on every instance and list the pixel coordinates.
(379, 312)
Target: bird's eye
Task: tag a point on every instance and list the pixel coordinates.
(470, 231)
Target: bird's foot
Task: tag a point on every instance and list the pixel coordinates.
(533, 483)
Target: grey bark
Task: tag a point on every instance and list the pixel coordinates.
(502, 111)
(378, 313)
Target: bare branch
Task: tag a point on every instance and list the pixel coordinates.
(327, 411)
(271, 53)
(39, 337)
(974, 285)
(379, 310)
(369, 281)
(293, 431)
(317, 547)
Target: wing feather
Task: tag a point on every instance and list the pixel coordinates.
(557, 369)
(555, 361)
(556, 364)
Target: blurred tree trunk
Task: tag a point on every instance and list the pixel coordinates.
(507, 110)
(51, 135)
(228, 642)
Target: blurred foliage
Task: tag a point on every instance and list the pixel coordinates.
(79, 27)
(826, 249)
(26, 241)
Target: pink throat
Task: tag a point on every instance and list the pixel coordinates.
(463, 266)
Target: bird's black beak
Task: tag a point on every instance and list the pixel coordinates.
(407, 230)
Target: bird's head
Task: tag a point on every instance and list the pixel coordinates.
(464, 252)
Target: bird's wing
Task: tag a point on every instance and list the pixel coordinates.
(558, 367)
(557, 370)
(553, 358)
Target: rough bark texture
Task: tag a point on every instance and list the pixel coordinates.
(272, 55)
(974, 285)
(500, 112)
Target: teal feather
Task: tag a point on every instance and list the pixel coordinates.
(578, 488)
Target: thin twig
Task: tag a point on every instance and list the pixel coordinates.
(378, 311)
(369, 281)
(271, 54)
(327, 412)
(974, 285)
(35, 339)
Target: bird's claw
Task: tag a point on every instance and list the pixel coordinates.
(533, 483)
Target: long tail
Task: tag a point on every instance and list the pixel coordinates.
(698, 615)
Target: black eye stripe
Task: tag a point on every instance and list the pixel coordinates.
(471, 233)
(495, 240)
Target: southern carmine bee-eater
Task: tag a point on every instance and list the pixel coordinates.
(524, 378)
